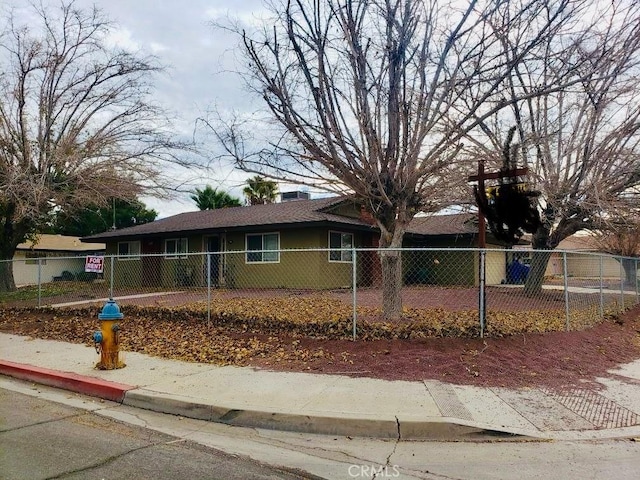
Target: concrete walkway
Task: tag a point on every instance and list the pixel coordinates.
(101, 301)
(332, 404)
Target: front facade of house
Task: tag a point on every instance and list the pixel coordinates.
(261, 246)
(252, 259)
(304, 244)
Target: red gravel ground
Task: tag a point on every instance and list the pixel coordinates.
(553, 360)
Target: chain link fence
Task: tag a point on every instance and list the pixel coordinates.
(462, 292)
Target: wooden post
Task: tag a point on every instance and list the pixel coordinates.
(480, 178)
(482, 231)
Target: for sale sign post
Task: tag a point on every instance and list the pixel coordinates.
(94, 264)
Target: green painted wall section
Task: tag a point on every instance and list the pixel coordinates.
(295, 269)
(439, 267)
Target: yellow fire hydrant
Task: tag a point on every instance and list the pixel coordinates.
(107, 340)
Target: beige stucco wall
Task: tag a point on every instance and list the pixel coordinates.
(496, 271)
(588, 265)
(583, 265)
(25, 272)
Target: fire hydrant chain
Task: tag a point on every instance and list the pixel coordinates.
(97, 341)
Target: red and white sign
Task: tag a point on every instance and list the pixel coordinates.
(94, 264)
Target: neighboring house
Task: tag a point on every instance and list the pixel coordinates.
(579, 261)
(47, 257)
(583, 256)
(157, 253)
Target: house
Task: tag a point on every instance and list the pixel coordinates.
(47, 256)
(162, 253)
(583, 258)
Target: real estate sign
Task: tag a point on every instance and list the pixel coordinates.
(94, 264)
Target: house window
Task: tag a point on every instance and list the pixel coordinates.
(32, 258)
(263, 248)
(176, 247)
(128, 250)
(340, 245)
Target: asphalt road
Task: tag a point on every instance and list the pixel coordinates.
(40, 439)
(50, 433)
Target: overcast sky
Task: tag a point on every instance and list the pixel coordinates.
(198, 58)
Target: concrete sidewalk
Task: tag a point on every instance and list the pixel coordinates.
(332, 404)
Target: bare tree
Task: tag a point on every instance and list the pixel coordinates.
(373, 97)
(580, 143)
(621, 239)
(618, 233)
(75, 125)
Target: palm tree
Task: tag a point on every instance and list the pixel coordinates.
(211, 198)
(260, 191)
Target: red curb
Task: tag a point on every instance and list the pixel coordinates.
(94, 387)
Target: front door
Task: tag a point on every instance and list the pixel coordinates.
(151, 262)
(215, 260)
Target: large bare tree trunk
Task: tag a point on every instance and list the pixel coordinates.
(391, 261)
(375, 98)
(630, 271)
(7, 283)
(11, 234)
(539, 262)
(392, 233)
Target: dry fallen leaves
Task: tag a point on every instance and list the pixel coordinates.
(284, 341)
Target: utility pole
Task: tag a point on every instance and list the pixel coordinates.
(480, 177)
(482, 230)
(113, 226)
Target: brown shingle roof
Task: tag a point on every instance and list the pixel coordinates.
(58, 243)
(454, 224)
(285, 213)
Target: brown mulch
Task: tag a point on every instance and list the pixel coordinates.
(552, 360)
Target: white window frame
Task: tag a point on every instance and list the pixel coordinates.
(35, 258)
(346, 256)
(263, 250)
(129, 255)
(182, 248)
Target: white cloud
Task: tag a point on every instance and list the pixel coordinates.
(122, 38)
(247, 17)
(157, 47)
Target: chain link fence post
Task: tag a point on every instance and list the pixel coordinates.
(482, 311)
(39, 282)
(111, 276)
(635, 278)
(566, 289)
(601, 289)
(354, 283)
(208, 289)
(621, 259)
